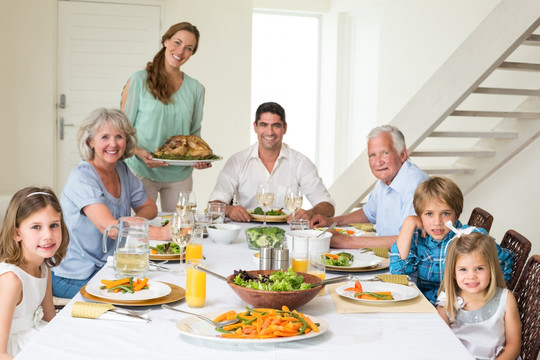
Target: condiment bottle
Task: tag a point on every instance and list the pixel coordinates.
(281, 259)
(265, 258)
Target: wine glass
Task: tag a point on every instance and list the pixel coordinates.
(192, 202)
(265, 198)
(181, 227)
(182, 202)
(293, 199)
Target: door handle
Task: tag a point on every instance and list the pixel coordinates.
(62, 125)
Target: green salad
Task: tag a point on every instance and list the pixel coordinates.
(166, 248)
(261, 236)
(339, 259)
(277, 281)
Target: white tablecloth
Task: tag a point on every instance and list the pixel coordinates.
(350, 336)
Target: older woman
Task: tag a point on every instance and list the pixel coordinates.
(98, 191)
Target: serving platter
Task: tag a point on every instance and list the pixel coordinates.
(188, 162)
(176, 293)
(399, 292)
(197, 328)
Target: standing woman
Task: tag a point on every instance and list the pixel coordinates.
(162, 101)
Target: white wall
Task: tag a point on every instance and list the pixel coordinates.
(417, 37)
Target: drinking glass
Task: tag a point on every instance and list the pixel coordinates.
(202, 220)
(301, 224)
(265, 198)
(182, 202)
(293, 199)
(300, 253)
(216, 211)
(181, 229)
(317, 265)
(192, 202)
(194, 249)
(195, 285)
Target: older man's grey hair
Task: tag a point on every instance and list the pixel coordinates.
(95, 120)
(397, 136)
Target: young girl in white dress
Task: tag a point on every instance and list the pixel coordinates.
(32, 240)
(474, 301)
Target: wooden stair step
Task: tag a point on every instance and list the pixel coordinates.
(506, 91)
(449, 171)
(510, 65)
(475, 134)
(497, 114)
(456, 153)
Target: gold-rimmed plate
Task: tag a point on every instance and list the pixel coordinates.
(269, 218)
(384, 264)
(176, 293)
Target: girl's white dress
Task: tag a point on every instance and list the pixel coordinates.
(482, 331)
(28, 315)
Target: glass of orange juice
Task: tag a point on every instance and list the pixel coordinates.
(194, 249)
(300, 251)
(195, 285)
(317, 265)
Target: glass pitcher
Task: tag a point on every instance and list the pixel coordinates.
(131, 250)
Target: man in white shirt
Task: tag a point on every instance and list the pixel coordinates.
(270, 161)
(391, 201)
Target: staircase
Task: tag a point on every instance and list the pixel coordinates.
(479, 110)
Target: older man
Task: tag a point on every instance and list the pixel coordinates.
(270, 161)
(390, 202)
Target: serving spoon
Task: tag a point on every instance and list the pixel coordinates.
(208, 320)
(333, 280)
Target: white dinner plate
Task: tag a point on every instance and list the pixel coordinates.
(197, 328)
(158, 220)
(158, 256)
(361, 260)
(343, 230)
(399, 292)
(188, 162)
(155, 290)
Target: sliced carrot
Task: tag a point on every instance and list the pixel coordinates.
(140, 285)
(112, 283)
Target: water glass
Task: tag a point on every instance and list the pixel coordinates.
(317, 265)
(195, 285)
(216, 211)
(182, 202)
(301, 224)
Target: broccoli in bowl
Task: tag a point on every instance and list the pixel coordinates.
(262, 236)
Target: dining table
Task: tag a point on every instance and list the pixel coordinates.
(363, 335)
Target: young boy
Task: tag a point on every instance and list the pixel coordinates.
(423, 238)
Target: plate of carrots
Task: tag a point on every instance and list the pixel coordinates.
(128, 289)
(261, 326)
(377, 292)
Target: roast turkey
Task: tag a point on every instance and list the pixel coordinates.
(182, 146)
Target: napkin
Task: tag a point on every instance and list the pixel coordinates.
(368, 227)
(348, 306)
(90, 310)
(396, 279)
(380, 252)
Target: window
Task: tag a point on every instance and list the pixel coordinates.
(285, 69)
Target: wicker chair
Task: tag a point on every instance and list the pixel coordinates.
(520, 247)
(481, 218)
(527, 294)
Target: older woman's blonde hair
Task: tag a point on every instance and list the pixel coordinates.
(95, 120)
(474, 243)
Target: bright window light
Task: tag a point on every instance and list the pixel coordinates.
(285, 69)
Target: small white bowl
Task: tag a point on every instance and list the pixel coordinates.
(224, 233)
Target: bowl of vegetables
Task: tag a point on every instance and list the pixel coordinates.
(224, 233)
(261, 236)
(273, 289)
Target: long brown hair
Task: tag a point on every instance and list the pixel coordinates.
(23, 204)
(481, 244)
(157, 81)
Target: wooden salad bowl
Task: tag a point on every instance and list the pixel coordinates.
(276, 299)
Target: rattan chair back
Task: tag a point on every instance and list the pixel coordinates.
(521, 248)
(527, 294)
(481, 218)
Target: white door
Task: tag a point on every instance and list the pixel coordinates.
(99, 46)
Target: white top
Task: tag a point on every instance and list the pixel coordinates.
(27, 318)
(482, 330)
(245, 170)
